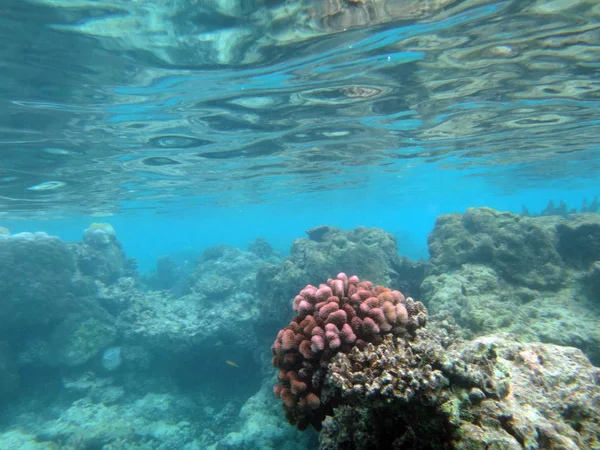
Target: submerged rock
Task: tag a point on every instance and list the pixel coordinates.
(79, 338)
(491, 392)
(521, 250)
(35, 279)
(534, 277)
(9, 373)
(100, 255)
(261, 248)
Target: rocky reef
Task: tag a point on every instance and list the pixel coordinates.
(491, 392)
(93, 355)
(370, 253)
(92, 358)
(530, 281)
(406, 385)
(534, 277)
(562, 209)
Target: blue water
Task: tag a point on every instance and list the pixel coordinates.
(219, 123)
(147, 235)
(188, 124)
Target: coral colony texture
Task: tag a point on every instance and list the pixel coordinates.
(334, 318)
(438, 392)
(94, 355)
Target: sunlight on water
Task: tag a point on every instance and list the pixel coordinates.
(114, 104)
(299, 224)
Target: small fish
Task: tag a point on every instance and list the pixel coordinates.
(231, 363)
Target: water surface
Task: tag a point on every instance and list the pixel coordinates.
(122, 105)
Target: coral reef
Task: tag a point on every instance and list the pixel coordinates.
(215, 318)
(262, 427)
(100, 255)
(334, 318)
(400, 368)
(63, 331)
(534, 277)
(112, 415)
(261, 248)
(49, 316)
(220, 307)
(436, 393)
(9, 371)
(34, 290)
(98, 360)
(79, 338)
(563, 209)
(521, 251)
(370, 253)
(167, 276)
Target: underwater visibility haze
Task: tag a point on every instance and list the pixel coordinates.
(300, 224)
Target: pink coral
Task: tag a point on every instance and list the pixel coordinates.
(317, 344)
(305, 349)
(305, 308)
(327, 309)
(312, 401)
(389, 310)
(338, 318)
(323, 293)
(331, 318)
(347, 335)
(332, 333)
(287, 341)
(401, 314)
(369, 328)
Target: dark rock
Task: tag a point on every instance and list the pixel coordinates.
(166, 275)
(317, 233)
(409, 276)
(579, 240)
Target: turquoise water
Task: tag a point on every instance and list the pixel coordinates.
(146, 133)
(204, 122)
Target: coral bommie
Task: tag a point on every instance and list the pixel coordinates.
(335, 317)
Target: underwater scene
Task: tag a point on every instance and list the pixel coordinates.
(299, 224)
